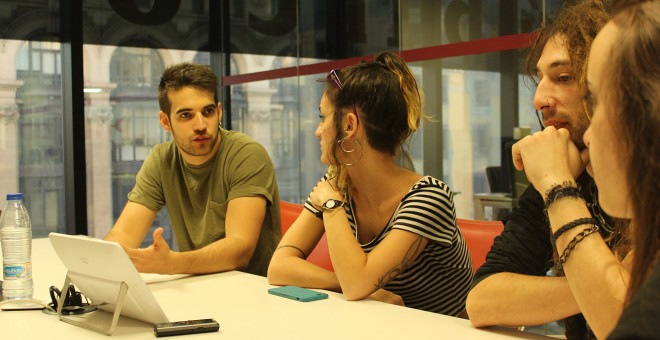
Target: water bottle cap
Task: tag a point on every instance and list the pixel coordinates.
(13, 197)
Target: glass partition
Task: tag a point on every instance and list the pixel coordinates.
(270, 54)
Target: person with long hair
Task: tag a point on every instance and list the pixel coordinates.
(391, 232)
(625, 91)
(624, 97)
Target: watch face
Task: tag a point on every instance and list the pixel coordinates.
(331, 204)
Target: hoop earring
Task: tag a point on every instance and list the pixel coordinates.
(355, 147)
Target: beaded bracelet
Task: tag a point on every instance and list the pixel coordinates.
(557, 191)
(571, 245)
(570, 225)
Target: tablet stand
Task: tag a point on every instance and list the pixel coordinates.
(123, 288)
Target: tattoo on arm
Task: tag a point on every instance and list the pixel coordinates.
(412, 253)
(294, 247)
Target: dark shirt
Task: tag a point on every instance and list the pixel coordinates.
(641, 318)
(524, 246)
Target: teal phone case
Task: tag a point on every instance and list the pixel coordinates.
(298, 293)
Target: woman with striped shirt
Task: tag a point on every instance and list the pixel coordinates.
(391, 232)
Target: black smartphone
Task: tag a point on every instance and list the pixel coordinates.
(185, 327)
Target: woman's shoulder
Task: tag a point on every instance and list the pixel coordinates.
(429, 190)
(428, 182)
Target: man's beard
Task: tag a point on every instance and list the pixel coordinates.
(190, 151)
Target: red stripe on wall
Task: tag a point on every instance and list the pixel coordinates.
(499, 44)
(257, 76)
(302, 70)
(505, 43)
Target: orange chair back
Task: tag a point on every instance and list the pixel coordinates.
(289, 212)
(479, 237)
(320, 255)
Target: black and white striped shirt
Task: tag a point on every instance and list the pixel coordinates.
(440, 278)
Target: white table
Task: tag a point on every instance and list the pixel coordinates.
(244, 309)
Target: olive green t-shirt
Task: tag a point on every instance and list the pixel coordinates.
(197, 196)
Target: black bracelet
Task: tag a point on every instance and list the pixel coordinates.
(566, 189)
(570, 225)
(294, 247)
(571, 245)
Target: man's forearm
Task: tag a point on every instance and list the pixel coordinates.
(132, 225)
(507, 299)
(122, 238)
(222, 255)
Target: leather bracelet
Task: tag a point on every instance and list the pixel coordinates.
(570, 225)
(566, 189)
(571, 245)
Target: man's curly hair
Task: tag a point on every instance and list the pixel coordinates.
(578, 22)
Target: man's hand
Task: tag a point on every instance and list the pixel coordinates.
(386, 296)
(155, 258)
(548, 157)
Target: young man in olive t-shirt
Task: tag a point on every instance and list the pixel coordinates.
(219, 188)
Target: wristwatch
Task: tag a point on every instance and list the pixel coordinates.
(332, 204)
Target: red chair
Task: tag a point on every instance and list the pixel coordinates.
(289, 212)
(320, 255)
(479, 237)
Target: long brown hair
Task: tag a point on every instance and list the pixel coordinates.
(385, 94)
(634, 85)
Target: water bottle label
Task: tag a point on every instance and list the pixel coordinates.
(14, 272)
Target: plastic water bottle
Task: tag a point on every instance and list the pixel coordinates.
(16, 232)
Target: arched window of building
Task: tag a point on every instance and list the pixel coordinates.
(136, 128)
(39, 134)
